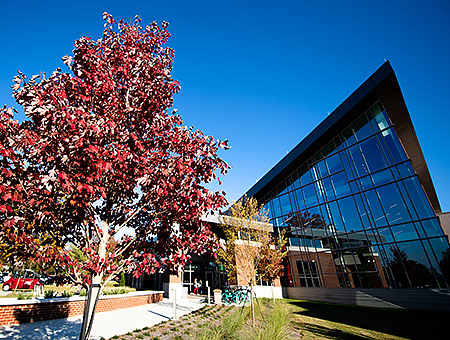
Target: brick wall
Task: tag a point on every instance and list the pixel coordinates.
(23, 312)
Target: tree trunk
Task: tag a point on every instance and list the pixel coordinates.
(94, 290)
(273, 292)
(252, 303)
(89, 308)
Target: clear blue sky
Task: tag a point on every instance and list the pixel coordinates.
(260, 73)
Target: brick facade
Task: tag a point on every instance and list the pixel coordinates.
(24, 312)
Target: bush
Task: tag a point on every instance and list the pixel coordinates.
(48, 294)
(115, 291)
(122, 280)
(67, 293)
(24, 296)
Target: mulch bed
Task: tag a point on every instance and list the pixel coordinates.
(184, 328)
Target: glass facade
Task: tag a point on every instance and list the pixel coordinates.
(357, 216)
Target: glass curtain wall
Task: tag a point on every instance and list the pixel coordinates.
(357, 216)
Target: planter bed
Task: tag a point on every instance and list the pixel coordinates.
(13, 311)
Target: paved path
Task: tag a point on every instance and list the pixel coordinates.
(106, 324)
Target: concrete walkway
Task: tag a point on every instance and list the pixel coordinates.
(106, 324)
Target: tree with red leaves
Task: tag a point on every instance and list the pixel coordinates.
(102, 155)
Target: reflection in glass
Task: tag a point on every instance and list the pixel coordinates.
(369, 232)
(340, 185)
(416, 264)
(350, 214)
(393, 205)
(310, 195)
(417, 195)
(373, 155)
(375, 208)
(404, 232)
(285, 204)
(358, 161)
(362, 128)
(442, 252)
(397, 154)
(432, 227)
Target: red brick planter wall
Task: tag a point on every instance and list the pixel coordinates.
(23, 312)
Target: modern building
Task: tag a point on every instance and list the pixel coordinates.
(357, 201)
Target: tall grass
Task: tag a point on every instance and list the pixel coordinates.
(227, 330)
(274, 325)
(272, 322)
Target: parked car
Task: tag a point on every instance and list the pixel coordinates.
(26, 279)
(47, 279)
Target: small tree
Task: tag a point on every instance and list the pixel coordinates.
(102, 158)
(251, 249)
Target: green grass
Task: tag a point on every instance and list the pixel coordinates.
(316, 320)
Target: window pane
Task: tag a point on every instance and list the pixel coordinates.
(395, 266)
(382, 177)
(366, 182)
(320, 191)
(276, 207)
(392, 202)
(334, 163)
(340, 184)
(417, 195)
(336, 214)
(350, 214)
(304, 174)
(407, 200)
(420, 230)
(298, 195)
(345, 162)
(362, 212)
(323, 171)
(432, 228)
(393, 144)
(442, 252)
(329, 192)
(381, 119)
(348, 137)
(385, 235)
(310, 195)
(285, 204)
(404, 232)
(373, 154)
(362, 128)
(405, 170)
(358, 161)
(417, 264)
(437, 270)
(375, 208)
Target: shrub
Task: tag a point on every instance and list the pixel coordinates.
(48, 294)
(122, 280)
(24, 296)
(67, 293)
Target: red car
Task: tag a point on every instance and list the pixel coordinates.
(26, 279)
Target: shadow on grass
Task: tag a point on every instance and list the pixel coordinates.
(331, 333)
(412, 324)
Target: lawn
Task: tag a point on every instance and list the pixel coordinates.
(298, 319)
(318, 320)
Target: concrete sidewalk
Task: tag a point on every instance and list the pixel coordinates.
(106, 324)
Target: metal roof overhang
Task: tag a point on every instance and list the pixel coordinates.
(382, 86)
